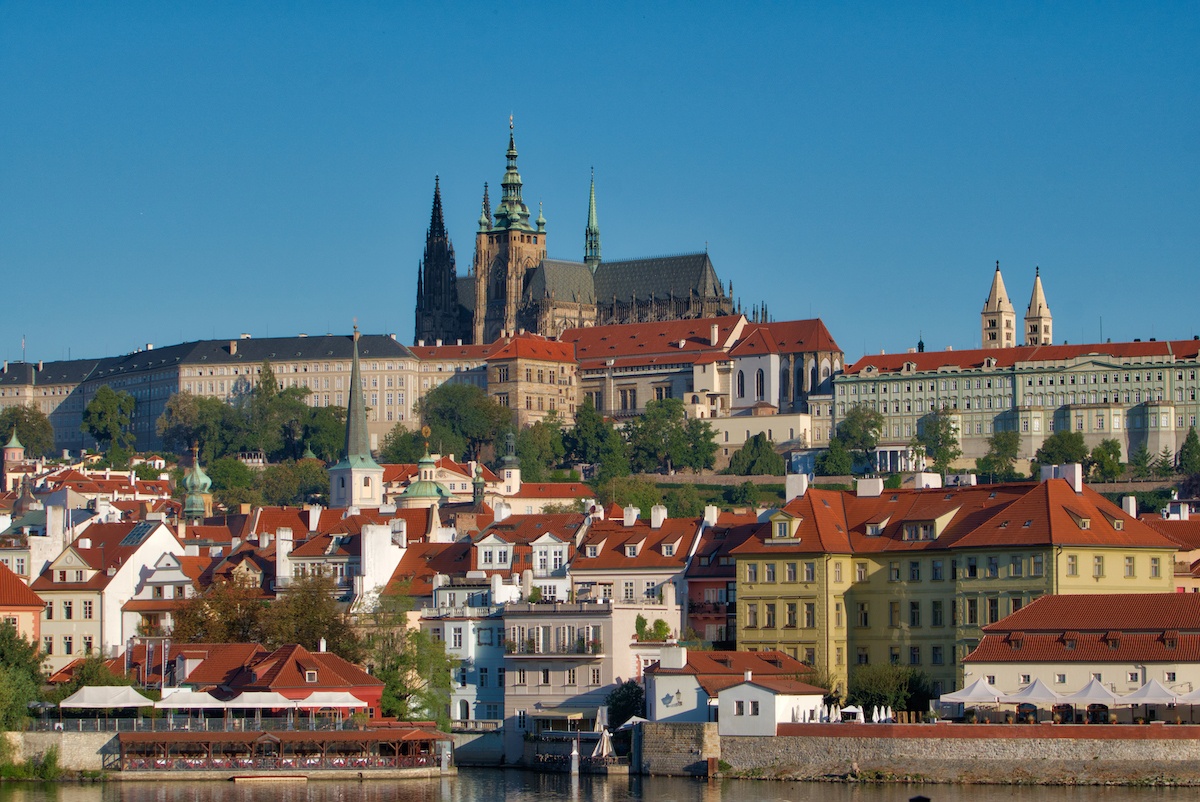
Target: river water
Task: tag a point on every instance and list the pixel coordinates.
(499, 785)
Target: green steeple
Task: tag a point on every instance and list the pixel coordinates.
(485, 218)
(197, 484)
(512, 213)
(357, 453)
(591, 235)
(13, 442)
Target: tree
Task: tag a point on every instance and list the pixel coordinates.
(1164, 466)
(325, 432)
(228, 473)
(744, 495)
(107, 417)
(938, 440)
(1061, 448)
(658, 438)
(999, 464)
(541, 448)
(32, 428)
(92, 671)
(860, 430)
(624, 702)
(466, 412)
(629, 491)
(1189, 453)
(756, 458)
(20, 677)
(228, 612)
(414, 667)
(1106, 461)
(1139, 463)
(308, 613)
(835, 460)
(685, 502)
(585, 442)
(703, 440)
(887, 684)
(218, 428)
(293, 483)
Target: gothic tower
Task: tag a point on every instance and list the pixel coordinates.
(1037, 317)
(998, 319)
(357, 480)
(591, 234)
(437, 290)
(505, 250)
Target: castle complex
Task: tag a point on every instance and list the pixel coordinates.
(512, 285)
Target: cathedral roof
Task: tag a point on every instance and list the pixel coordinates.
(660, 277)
(562, 280)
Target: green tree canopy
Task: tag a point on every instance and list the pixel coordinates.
(744, 495)
(1164, 464)
(466, 412)
(1189, 453)
(107, 416)
(999, 464)
(33, 429)
(685, 502)
(630, 491)
(1105, 461)
(625, 701)
(585, 441)
(886, 684)
(860, 430)
(664, 438)
(20, 677)
(541, 448)
(756, 457)
(308, 613)
(1061, 448)
(835, 460)
(228, 473)
(227, 612)
(1140, 463)
(938, 440)
(414, 667)
(325, 432)
(217, 427)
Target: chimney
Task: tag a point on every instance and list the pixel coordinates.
(795, 486)
(711, 514)
(149, 346)
(713, 334)
(1129, 505)
(314, 517)
(264, 540)
(496, 582)
(439, 342)
(748, 675)
(283, 551)
(233, 347)
(321, 645)
(526, 583)
(869, 488)
(400, 532)
(631, 516)
(1073, 473)
(192, 549)
(658, 514)
(673, 656)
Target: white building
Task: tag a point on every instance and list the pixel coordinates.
(757, 706)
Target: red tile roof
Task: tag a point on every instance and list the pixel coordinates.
(414, 574)
(1185, 533)
(15, 594)
(524, 529)
(611, 536)
(715, 671)
(656, 342)
(787, 687)
(1127, 612)
(104, 551)
(532, 346)
(556, 490)
(283, 670)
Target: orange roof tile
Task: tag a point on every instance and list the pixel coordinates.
(15, 594)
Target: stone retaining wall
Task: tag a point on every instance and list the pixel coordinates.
(77, 751)
(680, 750)
(979, 753)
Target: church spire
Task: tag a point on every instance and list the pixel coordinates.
(437, 287)
(512, 212)
(437, 224)
(485, 217)
(358, 444)
(998, 319)
(1038, 320)
(591, 234)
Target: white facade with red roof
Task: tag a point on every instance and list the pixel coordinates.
(86, 587)
(1123, 640)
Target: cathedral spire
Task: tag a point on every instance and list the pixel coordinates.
(591, 234)
(437, 224)
(1038, 320)
(437, 280)
(998, 318)
(512, 212)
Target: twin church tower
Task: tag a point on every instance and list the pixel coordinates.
(999, 319)
(512, 284)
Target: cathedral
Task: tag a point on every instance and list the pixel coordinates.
(512, 284)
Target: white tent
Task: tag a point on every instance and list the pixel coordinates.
(259, 700)
(186, 699)
(1035, 693)
(318, 700)
(633, 720)
(1091, 694)
(1189, 698)
(978, 692)
(1152, 693)
(100, 697)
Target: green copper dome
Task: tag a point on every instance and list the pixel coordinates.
(422, 487)
(13, 442)
(196, 483)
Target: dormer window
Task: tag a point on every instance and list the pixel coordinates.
(1085, 523)
(631, 550)
(668, 550)
(592, 551)
(874, 530)
(310, 676)
(781, 529)
(1118, 524)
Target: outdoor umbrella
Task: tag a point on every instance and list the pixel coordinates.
(604, 747)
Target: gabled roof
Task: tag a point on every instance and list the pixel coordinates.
(659, 277)
(15, 594)
(715, 671)
(219, 663)
(402, 472)
(525, 529)
(562, 280)
(1185, 533)
(1125, 612)
(106, 547)
(414, 574)
(532, 346)
(784, 686)
(556, 490)
(785, 337)
(285, 669)
(653, 342)
(610, 537)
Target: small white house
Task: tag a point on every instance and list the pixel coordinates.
(759, 706)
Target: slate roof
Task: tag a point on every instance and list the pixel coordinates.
(562, 280)
(660, 277)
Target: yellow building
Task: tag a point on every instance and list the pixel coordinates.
(910, 576)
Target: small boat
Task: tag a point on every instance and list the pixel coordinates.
(269, 778)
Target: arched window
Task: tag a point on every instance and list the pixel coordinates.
(741, 384)
(367, 481)
(759, 385)
(464, 710)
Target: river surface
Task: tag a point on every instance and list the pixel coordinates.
(500, 785)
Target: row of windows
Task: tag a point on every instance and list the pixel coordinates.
(68, 644)
(795, 615)
(545, 676)
(67, 610)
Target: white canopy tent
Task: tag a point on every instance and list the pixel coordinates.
(1152, 693)
(633, 721)
(260, 700)
(1035, 693)
(1094, 693)
(186, 699)
(319, 700)
(978, 692)
(1189, 698)
(101, 697)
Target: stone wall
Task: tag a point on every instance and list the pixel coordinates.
(679, 750)
(479, 748)
(77, 751)
(981, 753)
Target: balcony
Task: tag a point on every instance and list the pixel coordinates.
(708, 608)
(529, 648)
(460, 612)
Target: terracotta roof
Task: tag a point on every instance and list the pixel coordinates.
(1008, 357)
(219, 663)
(105, 550)
(414, 573)
(1087, 647)
(524, 529)
(715, 671)
(560, 490)
(1185, 533)
(659, 341)
(717, 542)
(15, 594)
(271, 519)
(1127, 612)
(531, 346)
(610, 537)
(786, 687)
(452, 352)
(401, 472)
(285, 669)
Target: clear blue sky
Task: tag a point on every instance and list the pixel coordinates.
(178, 171)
